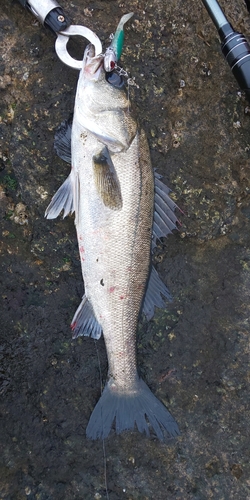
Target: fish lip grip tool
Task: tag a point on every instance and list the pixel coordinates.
(50, 14)
(234, 46)
(63, 38)
(112, 53)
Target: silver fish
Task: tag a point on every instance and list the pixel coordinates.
(121, 208)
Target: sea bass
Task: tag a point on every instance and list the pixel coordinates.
(121, 208)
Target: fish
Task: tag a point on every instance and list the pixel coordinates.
(121, 209)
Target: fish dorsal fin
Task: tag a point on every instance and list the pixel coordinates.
(154, 292)
(165, 219)
(106, 180)
(62, 142)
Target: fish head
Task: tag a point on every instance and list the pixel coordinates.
(101, 105)
(93, 67)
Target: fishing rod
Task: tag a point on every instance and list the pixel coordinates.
(234, 45)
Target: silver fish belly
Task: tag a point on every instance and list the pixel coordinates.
(112, 189)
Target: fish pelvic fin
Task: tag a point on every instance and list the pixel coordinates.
(62, 200)
(62, 142)
(106, 180)
(140, 407)
(84, 321)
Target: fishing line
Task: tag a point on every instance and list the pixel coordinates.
(130, 81)
(128, 97)
(124, 73)
(103, 440)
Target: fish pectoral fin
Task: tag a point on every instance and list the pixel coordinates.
(62, 142)
(84, 321)
(106, 180)
(62, 200)
(154, 292)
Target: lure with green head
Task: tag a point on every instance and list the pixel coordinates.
(117, 42)
(113, 52)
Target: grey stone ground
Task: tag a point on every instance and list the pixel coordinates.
(195, 354)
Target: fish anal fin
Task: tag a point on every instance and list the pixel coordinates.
(156, 289)
(106, 180)
(84, 321)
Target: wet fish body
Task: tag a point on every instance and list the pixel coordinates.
(112, 189)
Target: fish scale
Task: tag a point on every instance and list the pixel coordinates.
(114, 243)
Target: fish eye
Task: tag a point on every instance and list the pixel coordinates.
(114, 79)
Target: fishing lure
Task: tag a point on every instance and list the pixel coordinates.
(113, 52)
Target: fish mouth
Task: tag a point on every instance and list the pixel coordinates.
(92, 64)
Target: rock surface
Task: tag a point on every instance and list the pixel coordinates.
(194, 354)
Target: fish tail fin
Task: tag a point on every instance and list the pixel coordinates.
(140, 407)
